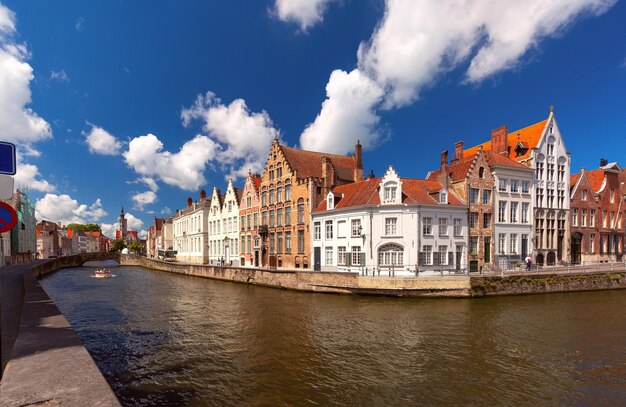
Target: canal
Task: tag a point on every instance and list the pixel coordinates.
(164, 339)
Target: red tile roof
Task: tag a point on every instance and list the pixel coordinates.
(573, 180)
(414, 191)
(309, 163)
(458, 171)
(596, 178)
(528, 136)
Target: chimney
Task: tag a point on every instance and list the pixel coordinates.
(458, 147)
(582, 170)
(202, 195)
(603, 162)
(327, 175)
(358, 162)
(444, 162)
(371, 175)
(189, 201)
(499, 144)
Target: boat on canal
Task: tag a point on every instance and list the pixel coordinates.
(102, 273)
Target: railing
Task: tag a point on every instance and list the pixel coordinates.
(407, 270)
(559, 268)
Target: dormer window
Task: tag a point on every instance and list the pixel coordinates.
(443, 196)
(390, 192)
(330, 201)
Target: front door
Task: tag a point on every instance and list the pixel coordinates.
(256, 258)
(317, 261)
(487, 249)
(524, 247)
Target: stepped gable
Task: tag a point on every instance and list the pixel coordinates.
(528, 136)
(363, 193)
(459, 169)
(309, 163)
(238, 194)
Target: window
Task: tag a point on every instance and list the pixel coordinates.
(612, 195)
(443, 196)
(288, 242)
(604, 219)
(356, 228)
(248, 202)
(561, 172)
(391, 226)
(513, 212)
(583, 217)
(427, 255)
(279, 242)
(514, 185)
(486, 196)
(356, 255)
(300, 241)
(513, 243)
(501, 243)
(458, 229)
(341, 256)
(442, 254)
(317, 231)
(474, 195)
(583, 195)
(592, 218)
(272, 243)
(525, 187)
(255, 217)
(330, 202)
(502, 211)
(279, 171)
(279, 217)
(279, 194)
(592, 243)
(329, 256)
(539, 169)
(301, 211)
(243, 222)
(473, 245)
(443, 227)
(525, 212)
(612, 215)
(486, 220)
(342, 231)
(427, 226)
(272, 218)
(271, 175)
(329, 229)
(264, 198)
(574, 217)
(390, 192)
(539, 197)
(288, 216)
(230, 206)
(481, 172)
(288, 192)
(473, 220)
(502, 185)
(271, 196)
(390, 255)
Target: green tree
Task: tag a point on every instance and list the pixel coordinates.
(92, 227)
(136, 247)
(75, 226)
(118, 245)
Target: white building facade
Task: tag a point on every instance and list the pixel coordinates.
(223, 227)
(390, 226)
(189, 227)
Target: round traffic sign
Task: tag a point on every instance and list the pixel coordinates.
(8, 217)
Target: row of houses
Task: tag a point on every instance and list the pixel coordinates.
(18, 245)
(54, 240)
(488, 207)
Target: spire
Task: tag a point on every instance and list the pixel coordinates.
(551, 108)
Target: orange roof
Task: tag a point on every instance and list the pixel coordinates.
(309, 163)
(257, 182)
(573, 179)
(528, 136)
(458, 171)
(596, 178)
(414, 191)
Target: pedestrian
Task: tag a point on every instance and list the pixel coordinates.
(529, 262)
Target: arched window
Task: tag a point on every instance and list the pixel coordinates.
(287, 191)
(391, 254)
(264, 197)
(551, 141)
(301, 210)
(330, 202)
(279, 170)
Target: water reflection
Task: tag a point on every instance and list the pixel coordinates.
(164, 339)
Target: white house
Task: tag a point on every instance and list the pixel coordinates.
(390, 226)
(223, 226)
(189, 227)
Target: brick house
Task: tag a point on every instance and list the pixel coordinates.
(249, 247)
(597, 208)
(293, 183)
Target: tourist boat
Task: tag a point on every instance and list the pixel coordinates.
(103, 273)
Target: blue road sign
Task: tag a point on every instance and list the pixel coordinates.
(8, 217)
(8, 162)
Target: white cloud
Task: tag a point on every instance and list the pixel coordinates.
(142, 234)
(144, 198)
(132, 222)
(18, 123)
(184, 169)
(65, 209)
(108, 229)
(150, 183)
(347, 114)
(80, 24)
(418, 41)
(60, 76)
(305, 13)
(166, 211)
(28, 176)
(243, 137)
(102, 142)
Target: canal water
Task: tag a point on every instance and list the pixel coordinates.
(166, 340)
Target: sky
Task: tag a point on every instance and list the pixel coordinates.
(141, 104)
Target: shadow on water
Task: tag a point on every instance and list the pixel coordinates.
(163, 339)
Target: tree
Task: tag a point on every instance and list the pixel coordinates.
(75, 226)
(136, 247)
(92, 227)
(118, 245)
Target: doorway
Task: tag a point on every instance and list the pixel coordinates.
(317, 261)
(487, 249)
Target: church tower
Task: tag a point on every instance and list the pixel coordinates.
(123, 226)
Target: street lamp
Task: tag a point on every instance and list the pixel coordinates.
(227, 249)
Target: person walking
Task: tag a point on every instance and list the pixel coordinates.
(529, 262)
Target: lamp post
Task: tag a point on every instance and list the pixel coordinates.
(227, 250)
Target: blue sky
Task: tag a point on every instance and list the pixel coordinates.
(143, 103)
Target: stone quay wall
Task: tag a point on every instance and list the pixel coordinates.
(547, 283)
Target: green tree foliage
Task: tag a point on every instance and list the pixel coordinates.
(118, 245)
(136, 247)
(90, 227)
